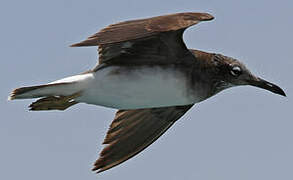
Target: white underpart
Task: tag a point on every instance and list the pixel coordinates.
(131, 89)
(125, 88)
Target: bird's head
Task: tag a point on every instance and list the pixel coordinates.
(231, 72)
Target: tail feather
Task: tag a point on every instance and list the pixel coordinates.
(58, 89)
(16, 92)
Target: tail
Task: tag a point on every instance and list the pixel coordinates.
(58, 95)
(41, 91)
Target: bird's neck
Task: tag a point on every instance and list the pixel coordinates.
(205, 78)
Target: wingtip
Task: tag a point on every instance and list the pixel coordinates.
(201, 16)
(98, 170)
(80, 44)
(88, 42)
(97, 166)
(100, 165)
(95, 169)
(207, 17)
(75, 45)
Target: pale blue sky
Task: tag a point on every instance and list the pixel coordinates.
(241, 133)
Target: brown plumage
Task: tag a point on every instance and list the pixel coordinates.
(156, 40)
(133, 130)
(137, 29)
(134, 45)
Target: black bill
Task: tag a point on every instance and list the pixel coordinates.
(261, 83)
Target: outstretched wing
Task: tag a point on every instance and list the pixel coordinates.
(133, 130)
(151, 40)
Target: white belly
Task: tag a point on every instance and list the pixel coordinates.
(125, 88)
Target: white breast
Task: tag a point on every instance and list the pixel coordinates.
(142, 87)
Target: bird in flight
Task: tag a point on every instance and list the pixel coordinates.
(146, 72)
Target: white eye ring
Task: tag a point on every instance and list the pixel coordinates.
(236, 71)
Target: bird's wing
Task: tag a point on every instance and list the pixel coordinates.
(133, 130)
(152, 40)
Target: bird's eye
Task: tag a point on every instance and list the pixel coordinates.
(236, 71)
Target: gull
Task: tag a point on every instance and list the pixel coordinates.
(146, 72)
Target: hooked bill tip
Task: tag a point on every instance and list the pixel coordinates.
(281, 92)
(261, 83)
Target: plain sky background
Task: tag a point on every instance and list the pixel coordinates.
(241, 133)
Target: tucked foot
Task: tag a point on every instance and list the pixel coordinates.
(54, 103)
